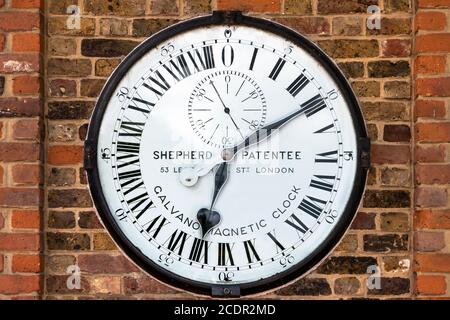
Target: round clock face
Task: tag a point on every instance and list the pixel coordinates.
(225, 158)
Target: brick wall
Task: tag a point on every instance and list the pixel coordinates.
(432, 135)
(21, 149)
(407, 184)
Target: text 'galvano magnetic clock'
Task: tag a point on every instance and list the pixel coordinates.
(227, 155)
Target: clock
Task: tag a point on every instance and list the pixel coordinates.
(227, 155)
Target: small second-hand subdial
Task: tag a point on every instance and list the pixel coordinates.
(225, 107)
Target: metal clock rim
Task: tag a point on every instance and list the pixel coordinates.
(277, 280)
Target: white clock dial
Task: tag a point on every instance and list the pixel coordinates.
(272, 209)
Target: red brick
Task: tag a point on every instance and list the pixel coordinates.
(1, 263)
(396, 48)
(26, 42)
(2, 3)
(430, 64)
(19, 62)
(16, 284)
(436, 87)
(439, 42)
(433, 132)
(2, 42)
(62, 155)
(2, 221)
(434, 3)
(26, 4)
(429, 241)
(433, 174)
(26, 130)
(430, 109)
(29, 174)
(19, 242)
(25, 219)
(1, 175)
(19, 21)
(431, 197)
(432, 219)
(12, 151)
(26, 263)
(382, 154)
(251, 6)
(19, 197)
(430, 153)
(26, 85)
(431, 285)
(426, 262)
(431, 20)
(103, 263)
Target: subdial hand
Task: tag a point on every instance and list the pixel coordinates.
(207, 217)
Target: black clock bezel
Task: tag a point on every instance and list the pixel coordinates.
(275, 281)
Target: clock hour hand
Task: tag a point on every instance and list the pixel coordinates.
(208, 218)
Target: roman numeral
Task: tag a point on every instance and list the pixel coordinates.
(311, 206)
(325, 129)
(313, 105)
(224, 254)
(327, 157)
(298, 85)
(128, 147)
(131, 129)
(161, 83)
(206, 61)
(252, 63)
(155, 225)
(275, 240)
(199, 250)
(250, 251)
(296, 223)
(181, 66)
(138, 200)
(177, 241)
(277, 69)
(130, 174)
(140, 104)
(322, 182)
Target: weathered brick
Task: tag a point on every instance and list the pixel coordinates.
(15, 107)
(339, 48)
(145, 284)
(69, 67)
(387, 199)
(102, 241)
(396, 133)
(346, 265)
(106, 285)
(103, 263)
(91, 87)
(19, 197)
(347, 286)
(61, 219)
(397, 90)
(432, 219)
(382, 69)
(2, 85)
(397, 6)
(433, 174)
(58, 26)
(394, 221)
(19, 151)
(106, 47)
(147, 27)
(396, 48)
(69, 198)
(247, 6)
(395, 177)
(62, 46)
(307, 287)
(431, 284)
(68, 241)
(59, 263)
(104, 67)
(366, 88)
(372, 131)
(372, 176)
(307, 25)
(58, 285)
(70, 110)
(164, 7)
(113, 27)
(116, 8)
(352, 69)
(82, 131)
(430, 153)
(348, 243)
(61, 6)
(396, 263)
(348, 26)
(61, 177)
(364, 221)
(392, 26)
(62, 132)
(19, 63)
(62, 88)
(299, 7)
(89, 220)
(27, 130)
(344, 6)
(392, 286)
(385, 243)
(385, 111)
